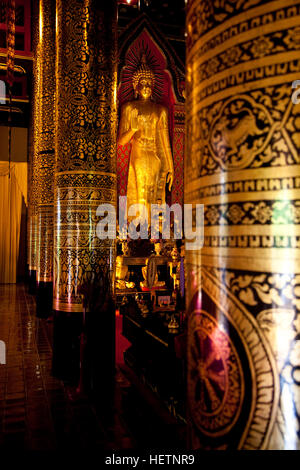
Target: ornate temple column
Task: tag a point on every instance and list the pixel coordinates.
(243, 164)
(30, 264)
(178, 153)
(85, 150)
(45, 157)
(32, 151)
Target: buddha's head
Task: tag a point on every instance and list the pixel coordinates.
(143, 80)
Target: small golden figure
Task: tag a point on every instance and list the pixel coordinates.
(145, 124)
(157, 248)
(122, 275)
(173, 325)
(155, 283)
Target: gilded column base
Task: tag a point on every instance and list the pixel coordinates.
(32, 281)
(67, 328)
(98, 363)
(44, 299)
(44, 291)
(32, 252)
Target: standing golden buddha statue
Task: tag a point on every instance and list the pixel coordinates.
(145, 125)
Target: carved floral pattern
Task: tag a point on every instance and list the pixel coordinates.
(208, 14)
(252, 213)
(235, 214)
(231, 56)
(270, 289)
(292, 39)
(262, 46)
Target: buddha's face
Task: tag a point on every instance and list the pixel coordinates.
(145, 88)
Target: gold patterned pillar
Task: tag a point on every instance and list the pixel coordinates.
(32, 149)
(31, 281)
(243, 164)
(178, 153)
(45, 157)
(86, 124)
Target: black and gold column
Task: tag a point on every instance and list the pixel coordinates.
(45, 157)
(30, 215)
(85, 171)
(32, 232)
(243, 164)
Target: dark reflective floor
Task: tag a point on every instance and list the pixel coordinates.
(38, 412)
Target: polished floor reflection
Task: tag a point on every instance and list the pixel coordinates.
(38, 412)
